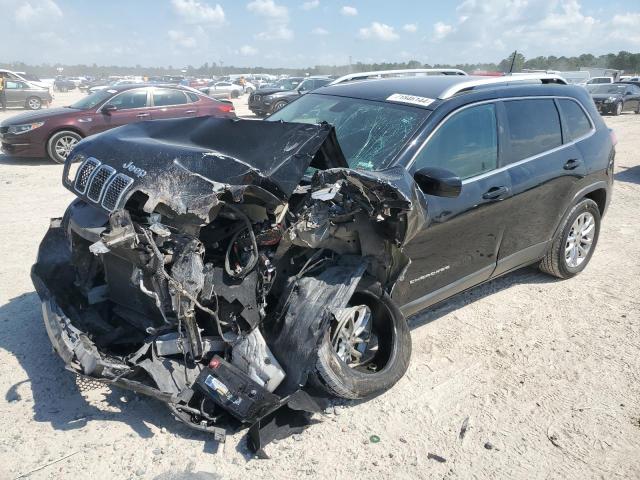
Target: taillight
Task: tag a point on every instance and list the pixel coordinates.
(614, 138)
(226, 108)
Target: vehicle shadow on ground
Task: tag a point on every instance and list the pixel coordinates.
(9, 160)
(528, 276)
(628, 174)
(56, 397)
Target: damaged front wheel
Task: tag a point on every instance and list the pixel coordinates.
(368, 347)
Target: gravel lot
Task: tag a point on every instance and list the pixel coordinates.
(545, 373)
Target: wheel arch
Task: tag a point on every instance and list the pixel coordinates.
(596, 191)
(63, 129)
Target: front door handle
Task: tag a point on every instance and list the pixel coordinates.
(572, 164)
(142, 115)
(190, 111)
(495, 193)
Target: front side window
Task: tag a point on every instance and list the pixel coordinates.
(534, 127)
(130, 99)
(577, 123)
(466, 144)
(370, 133)
(164, 97)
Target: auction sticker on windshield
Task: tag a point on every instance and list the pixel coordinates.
(404, 98)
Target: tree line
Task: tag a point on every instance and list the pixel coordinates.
(627, 61)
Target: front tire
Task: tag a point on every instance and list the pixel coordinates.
(375, 367)
(60, 145)
(33, 103)
(278, 105)
(575, 242)
(618, 109)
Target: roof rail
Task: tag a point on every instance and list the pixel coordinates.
(507, 80)
(397, 73)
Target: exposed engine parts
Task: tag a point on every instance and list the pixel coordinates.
(216, 298)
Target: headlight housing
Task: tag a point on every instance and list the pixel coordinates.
(24, 128)
(610, 100)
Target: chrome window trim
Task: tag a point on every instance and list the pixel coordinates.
(519, 162)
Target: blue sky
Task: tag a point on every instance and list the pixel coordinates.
(299, 33)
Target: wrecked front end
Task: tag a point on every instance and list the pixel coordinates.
(198, 266)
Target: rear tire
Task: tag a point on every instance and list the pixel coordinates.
(391, 356)
(60, 145)
(558, 261)
(234, 94)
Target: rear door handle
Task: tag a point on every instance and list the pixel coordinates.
(142, 115)
(495, 193)
(572, 164)
(190, 111)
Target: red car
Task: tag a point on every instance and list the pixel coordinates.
(55, 131)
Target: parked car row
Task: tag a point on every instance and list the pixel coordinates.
(54, 132)
(271, 99)
(615, 98)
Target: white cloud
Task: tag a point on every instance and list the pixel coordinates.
(181, 39)
(195, 12)
(534, 27)
(276, 18)
(37, 10)
(441, 30)
(310, 5)
(410, 27)
(348, 11)
(379, 31)
(248, 50)
(268, 8)
(320, 31)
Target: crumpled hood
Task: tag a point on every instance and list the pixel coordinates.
(182, 161)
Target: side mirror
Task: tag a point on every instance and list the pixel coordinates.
(109, 108)
(438, 182)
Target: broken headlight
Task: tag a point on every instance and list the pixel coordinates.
(73, 165)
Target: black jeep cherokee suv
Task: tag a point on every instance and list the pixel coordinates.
(269, 100)
(231, 267)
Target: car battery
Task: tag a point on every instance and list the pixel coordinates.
(235, 392)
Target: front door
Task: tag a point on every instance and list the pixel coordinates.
(458, 247)
(632, 98)
(131, 106)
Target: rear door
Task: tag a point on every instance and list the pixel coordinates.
(16, 93)
(632, 98)
(131, 106)
(544, 167)
(458, 247)
(171, 103)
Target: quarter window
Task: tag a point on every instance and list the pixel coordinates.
(534, 127)
(576, 122)
(164, 97)
(467, 144)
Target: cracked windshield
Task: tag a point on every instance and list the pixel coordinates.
(370, 133)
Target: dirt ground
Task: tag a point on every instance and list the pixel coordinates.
(545, 374)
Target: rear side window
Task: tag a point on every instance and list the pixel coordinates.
(577, 123)
(534, 127)
(467, 143)
(163, 97)
(193, 97)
